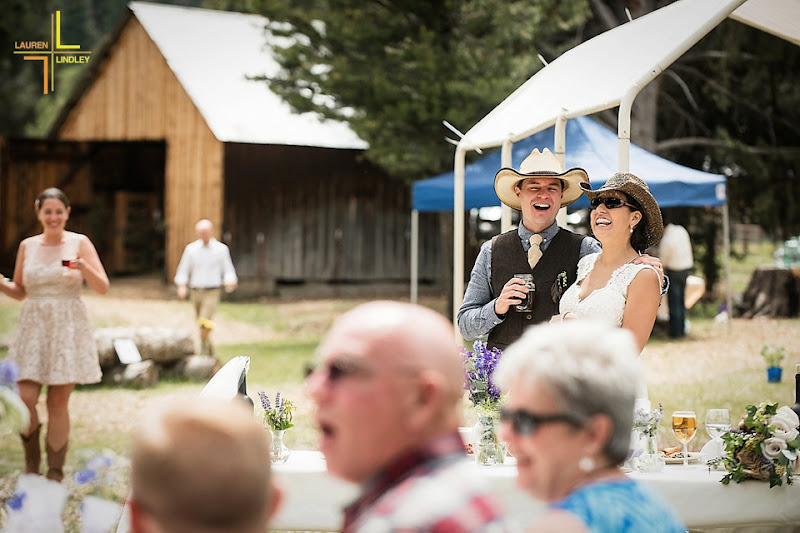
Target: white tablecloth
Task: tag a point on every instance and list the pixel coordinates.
(313, 499)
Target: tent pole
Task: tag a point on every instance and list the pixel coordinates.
(458, 232)
(560, 145)
(726, 244)
(505, 162)
(414, 255)
(624, 129)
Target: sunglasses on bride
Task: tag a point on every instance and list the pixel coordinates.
(611, 202)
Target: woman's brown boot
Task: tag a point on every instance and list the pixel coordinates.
(55, 462)
(33, 451)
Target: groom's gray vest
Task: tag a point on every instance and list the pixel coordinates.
(509, 258)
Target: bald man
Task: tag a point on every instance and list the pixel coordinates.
(205, 267)
(388, 391)
(201, 465)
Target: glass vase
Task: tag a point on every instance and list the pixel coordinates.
(650, 460)
(279, 452)
(486, 446)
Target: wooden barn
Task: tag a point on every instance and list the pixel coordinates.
(166, 127)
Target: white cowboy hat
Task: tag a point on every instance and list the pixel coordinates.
(539, 164)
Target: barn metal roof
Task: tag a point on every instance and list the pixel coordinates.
(212, 53)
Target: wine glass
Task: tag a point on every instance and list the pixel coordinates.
(718, 421)
(684, 425)
(67, 265)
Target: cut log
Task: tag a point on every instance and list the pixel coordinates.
(162, 345)
(772, 292)
(138, 375)
(197, 367)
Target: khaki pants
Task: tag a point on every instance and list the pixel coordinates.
(205, 303)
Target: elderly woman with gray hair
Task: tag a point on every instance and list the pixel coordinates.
(568, 421)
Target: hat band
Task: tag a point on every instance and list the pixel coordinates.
(541, 173)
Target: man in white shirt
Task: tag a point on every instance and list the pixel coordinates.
(675, 250)
(204, 268)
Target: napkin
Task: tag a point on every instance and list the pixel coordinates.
(36, 506)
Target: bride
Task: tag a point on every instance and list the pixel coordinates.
(626, 219)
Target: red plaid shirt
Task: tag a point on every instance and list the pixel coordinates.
(433, 488)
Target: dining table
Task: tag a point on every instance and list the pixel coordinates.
(313, 499)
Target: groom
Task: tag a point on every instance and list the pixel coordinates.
(539, 189)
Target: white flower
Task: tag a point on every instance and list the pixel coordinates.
(772, 447)
(785, 422)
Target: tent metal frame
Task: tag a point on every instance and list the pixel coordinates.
(712, 12)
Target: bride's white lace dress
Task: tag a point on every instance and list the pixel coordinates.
(54, 340)
(606, 304)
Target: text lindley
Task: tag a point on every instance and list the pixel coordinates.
(72, 59)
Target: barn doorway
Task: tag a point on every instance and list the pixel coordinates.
(116, 190)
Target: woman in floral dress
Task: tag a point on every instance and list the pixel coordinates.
(54, 341)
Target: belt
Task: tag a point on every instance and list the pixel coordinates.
(205, 288)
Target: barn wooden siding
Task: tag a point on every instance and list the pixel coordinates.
(318, 214)
(133, 96)
(27, 167)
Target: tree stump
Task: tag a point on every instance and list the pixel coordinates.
(772, 292)
(197, 367)
(139, 375)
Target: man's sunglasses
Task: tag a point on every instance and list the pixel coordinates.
(335, 370)
(612, 202)
(525, 423)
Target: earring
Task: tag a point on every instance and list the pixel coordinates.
(586, 464)
(632, 228)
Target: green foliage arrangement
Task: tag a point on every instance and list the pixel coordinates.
(764, 447)
(278, 416)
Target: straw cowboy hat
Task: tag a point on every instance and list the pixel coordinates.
(539, 164)
(636, 189)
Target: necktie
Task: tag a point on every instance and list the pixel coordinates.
(534, 253)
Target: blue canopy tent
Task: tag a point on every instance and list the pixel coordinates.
(589, 145)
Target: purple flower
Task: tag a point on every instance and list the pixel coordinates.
(17, 500)
(85, 476)
(264, 401)
(479, 365)
(9, 373)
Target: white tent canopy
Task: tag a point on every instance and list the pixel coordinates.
(600, 73)
(777, 17)
(604, 72)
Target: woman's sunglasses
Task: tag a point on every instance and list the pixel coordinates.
(612, 202)
(525, 423)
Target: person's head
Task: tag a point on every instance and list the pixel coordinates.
(201, 465)
(539, 188)
(205, 230)
(389, 378)
(583, 374)
(52, 209)
(630, 212)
